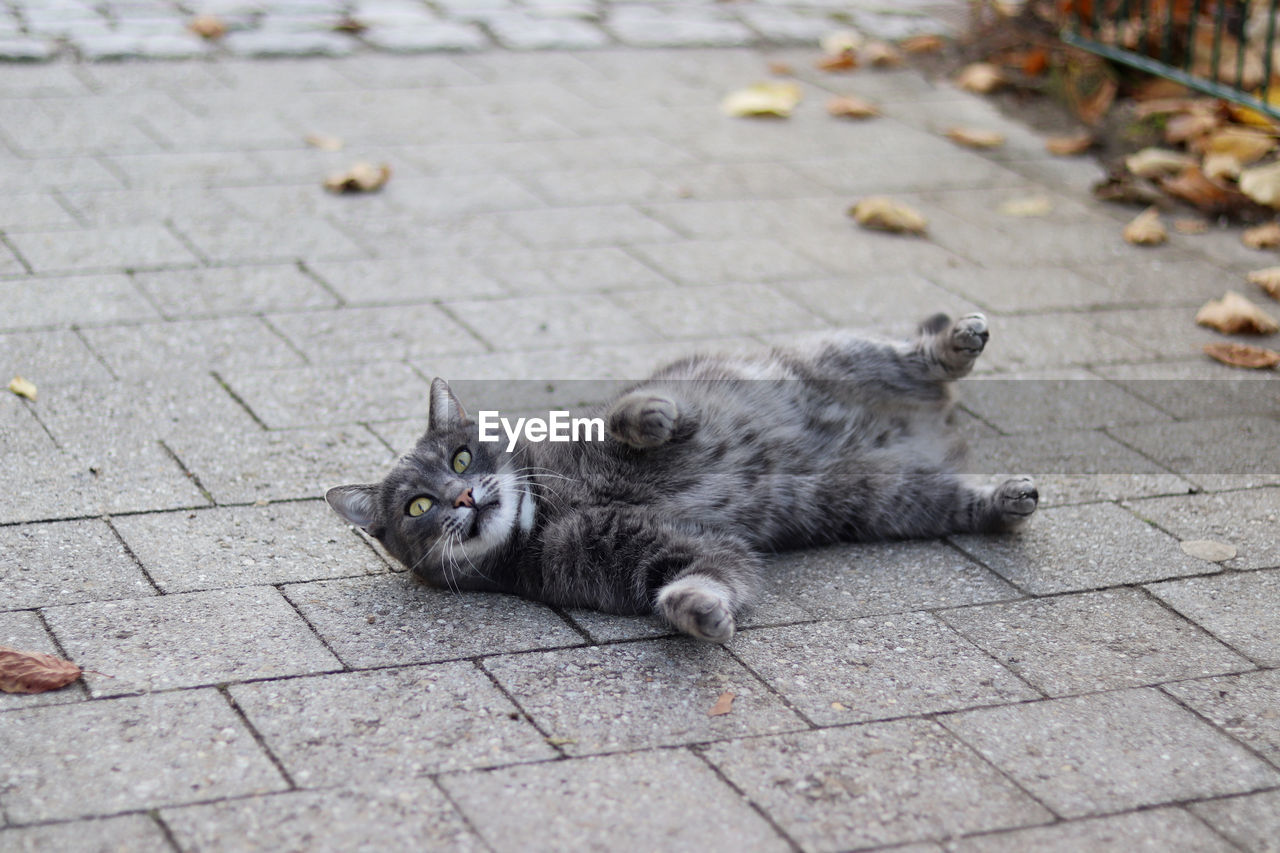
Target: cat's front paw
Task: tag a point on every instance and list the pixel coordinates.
(643, 420)
(1015, 500)
(960, 345)
(698, 607)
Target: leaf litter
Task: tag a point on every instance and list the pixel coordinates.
(1234, 314)
(360, 178)
(881, 213)
(23, 387)
(34, 672)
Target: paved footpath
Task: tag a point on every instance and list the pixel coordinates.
(215, 340)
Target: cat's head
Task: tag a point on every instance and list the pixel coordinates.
(450, 506)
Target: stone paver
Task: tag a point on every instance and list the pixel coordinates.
(1250, 822)
(1159, 829)
(1240, 609)
(1247, 520)
(66, 562)
(1247, 706)
(131, 832)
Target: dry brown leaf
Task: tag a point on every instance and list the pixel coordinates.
(922, 44)
(981, 78)
(556, 740)
(1069, 146)
(974, 137)
(837, 42)
(34, 672)
(1242, 355)
(782, 69)
(1190, 126)
(881, 213)
(1146, 229)
(348, 24)
(23, 387)
(1208, 549)
(879, 54)
(1036, 205)
(1261, 236)
(324, 143)
(1157, 89)
(209, 27)
(1156, 162)
(1090, 106)
(1190, 226)
(1220, 167)
(1262, 184)
(772, 98)
(848, 106)
(1268, 279)
(1192, 186)
(1233, 314)
(846, 61)
(723, 705)
(1035, 62)
(1242, 144)
(360, 178)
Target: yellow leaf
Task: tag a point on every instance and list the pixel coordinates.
(848, 106)
(1233, 314)
(209, 27)
(1262, 184)
(1154, 162)
(879, 54)
(23, 387)
(324, 143)
(1146, 229)
(1240, 143)
(841, 41)
(882, 213)
(1261, 236)
(1036, 205)
(1268, 279)
(1069, 146)
(360, 178)
(980, 77)
(774, 98)
(973, 137)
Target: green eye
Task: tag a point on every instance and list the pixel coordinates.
(418, 506)
(461, 460)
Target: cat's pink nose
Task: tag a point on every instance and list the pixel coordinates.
(465, 499)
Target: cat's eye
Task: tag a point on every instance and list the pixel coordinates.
(461, 460)
(418, 506)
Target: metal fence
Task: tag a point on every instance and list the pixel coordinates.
(1224, 48)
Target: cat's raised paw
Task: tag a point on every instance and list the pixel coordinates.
(644, 420)
(969, 334)
(1016, 499)
(698, 607)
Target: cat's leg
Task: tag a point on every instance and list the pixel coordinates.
(703, 598)
(649, 417)
(998, 509)
(927, 504)
(949, 348)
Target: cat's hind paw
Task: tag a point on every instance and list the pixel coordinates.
(698, 606)
(1015, 500)
(957, 346)
(644, 420)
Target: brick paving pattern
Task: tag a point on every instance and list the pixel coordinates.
(216, 340)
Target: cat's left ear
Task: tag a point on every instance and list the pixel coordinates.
(446, 411)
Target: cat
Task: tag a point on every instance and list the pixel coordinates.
(708, 465)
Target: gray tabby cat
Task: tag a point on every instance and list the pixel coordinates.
(709, 464)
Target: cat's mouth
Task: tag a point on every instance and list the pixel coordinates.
(480, 516)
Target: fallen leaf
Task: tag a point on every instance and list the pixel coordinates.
(324, 143)
(1262, 236)
(839, 706)
(922, 44)
(553, 740)
(1233, 314)
(1262, 184)
(773, 98)
(879, 54)
(846, 61)
(1124, 187)
(23, 387)
(848, 106)
(348, 24)
(723, 705)
(981, 78)
(782, 69)
(1157, 88)
(1069, 146)
(1242, 355)
(1035, 62)
(360, 178)
(1191, 185)
(1220, 167)
(1146, 229)
(841, 41)
(1253, 118)
(1208, 549)
(34, 672)
(1242, 144)
(973, 137)
(1190, 226)
(1092, 96)
(209, 27)
(1036, 205)
(1156, 162)
(882, 213)
(1268, 279)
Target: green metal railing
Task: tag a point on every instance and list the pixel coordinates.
(1223, 48)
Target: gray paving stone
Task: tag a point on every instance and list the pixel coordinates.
(410, 814)
(394, 620)
(435, 36)
(1095, 641)
(302, 463)
(525, 32)
(65, 562)
(1028, 289)
(935, 166)
(97, 758)
(1245, 519)
(116, 207)
(1165, 332)
(583, 227)
(188, 640)
(277, 43)
(466, 236)
(1192, 389)
(848, 581)
(22, 629)
(413, 333)
(27, 49)
(637, 695)
(184, 294)
(308, 396)
(130, 832)
(858, 253)
(592, 803)
(1239, 609)
(41, 81)
(1056, 340)
(740, 220)
(1244, 705)
(101, 125)
(1183, 280)
(571, 270)
(47, 173)
(239, 241)
(1061, 399)
(875, 299)
(1169, 829)
(358, 728)
(1223, 453)
(215, 344)
(1110, 752)
(80, 300)
(703, 262)
(536, 322)
(1251, 822)
(405, 279)
(646, 26)
(717, 310)
(876, 668)
(244, 546)
(872, 785)
(1074, 548)
(151, 172)
(50, 357)
(35, 212)
(137, 247)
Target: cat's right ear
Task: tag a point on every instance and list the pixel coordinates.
(356, 504)
(445, 411)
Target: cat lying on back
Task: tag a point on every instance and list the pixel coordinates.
(709, 464)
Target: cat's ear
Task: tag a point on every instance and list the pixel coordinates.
(357, 504)
(446, 411)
